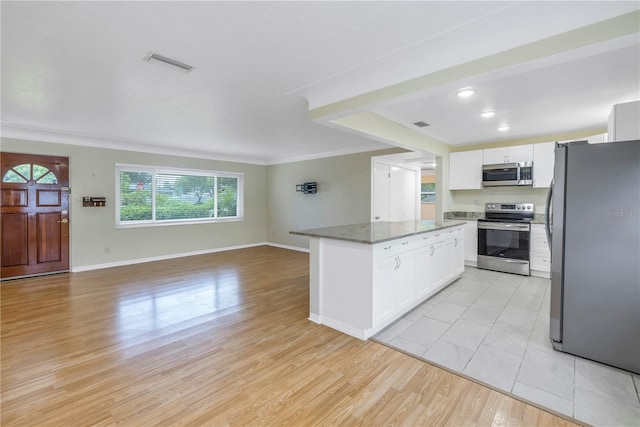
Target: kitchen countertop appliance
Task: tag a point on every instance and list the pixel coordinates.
(505, 174)
(593, 230)
(504, 237)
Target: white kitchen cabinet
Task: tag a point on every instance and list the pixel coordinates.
(465, 170)
(406, 281)
(362, 288)
(426, 274)
(623, 122)
(514, 154)
(385, 281)
(471, 243)
(439, 265)
(543, 162)
(540, 256)
(427, 266)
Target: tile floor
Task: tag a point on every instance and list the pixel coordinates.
(494, 327)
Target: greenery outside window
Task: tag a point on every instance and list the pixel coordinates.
(147, 196)
(428, 192)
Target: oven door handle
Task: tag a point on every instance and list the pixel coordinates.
(507, 226)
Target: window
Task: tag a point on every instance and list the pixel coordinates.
(153, 196)
(26, 172)
(428, 192)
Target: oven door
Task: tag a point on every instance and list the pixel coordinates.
(504, 246)
(500, 175)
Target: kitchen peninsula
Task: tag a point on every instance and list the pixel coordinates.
(365, 276)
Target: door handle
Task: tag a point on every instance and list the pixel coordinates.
(63, 220)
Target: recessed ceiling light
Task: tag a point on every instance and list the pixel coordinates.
(488, 114)
(503, 128)
(465, 93)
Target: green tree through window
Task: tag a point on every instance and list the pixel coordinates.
(157, 196)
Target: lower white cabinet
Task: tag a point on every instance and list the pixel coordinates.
(540, 256)
(471, 243)
(385, 281)
(406, 280)
(363, 288)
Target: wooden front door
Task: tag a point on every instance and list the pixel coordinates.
(34, 215)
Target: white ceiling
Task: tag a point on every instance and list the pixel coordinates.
(74, 72)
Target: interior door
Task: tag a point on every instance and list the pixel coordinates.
(380, 202)
(34, 215)
(404, 194)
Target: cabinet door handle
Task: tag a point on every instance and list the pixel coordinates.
(432, 251)
(456, 242)
(405, 243)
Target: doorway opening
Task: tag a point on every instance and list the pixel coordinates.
(404, 187)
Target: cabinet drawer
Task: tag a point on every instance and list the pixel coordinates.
(394, 247)
(539, 242)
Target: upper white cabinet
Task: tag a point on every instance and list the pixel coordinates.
(543, 160)
(517, 153)
(465, 170)
(623, 122)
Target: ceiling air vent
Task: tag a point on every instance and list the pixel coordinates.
(421, 124)
(154, 57)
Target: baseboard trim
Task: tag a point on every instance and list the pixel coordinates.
(182, 255)
(361, 334)
(163, 257)
(315, 318)
(292, 248)
(540, 273)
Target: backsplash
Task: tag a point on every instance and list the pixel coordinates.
(474, 200)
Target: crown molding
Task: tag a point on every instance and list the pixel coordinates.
(46, 135)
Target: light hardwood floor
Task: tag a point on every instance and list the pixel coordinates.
(220, 339)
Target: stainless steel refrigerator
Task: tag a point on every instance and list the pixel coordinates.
(593, 228)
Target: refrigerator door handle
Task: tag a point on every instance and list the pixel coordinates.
(547, 216)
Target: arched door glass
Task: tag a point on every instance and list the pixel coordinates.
(27, 172)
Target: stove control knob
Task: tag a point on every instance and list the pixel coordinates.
(529, 207)
(518, 207)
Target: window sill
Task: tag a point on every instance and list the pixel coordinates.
(177, 222)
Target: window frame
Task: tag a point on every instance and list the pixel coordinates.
(427, 193)
(154, 170)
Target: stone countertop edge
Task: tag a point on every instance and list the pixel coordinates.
(378, 232)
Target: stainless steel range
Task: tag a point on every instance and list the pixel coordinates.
(503, 237)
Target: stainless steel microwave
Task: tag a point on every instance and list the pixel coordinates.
(504, 174)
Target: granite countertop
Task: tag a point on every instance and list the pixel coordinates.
(377, 232)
